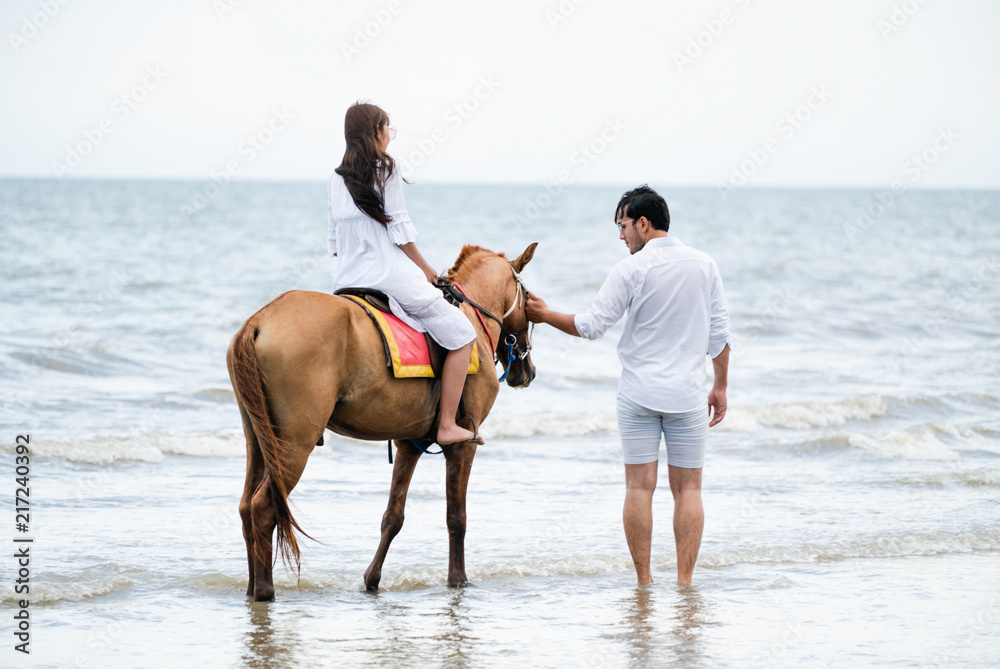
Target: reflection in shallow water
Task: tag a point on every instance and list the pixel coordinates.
(438, 628)
(263, 645)
(455, 640)
(690, 618)
(658, 631)
(640, 612)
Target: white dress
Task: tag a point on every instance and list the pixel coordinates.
(369, 256)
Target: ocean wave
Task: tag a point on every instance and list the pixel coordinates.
(105, 580)
(216, 394)
(803, 415)
(397, 578)
(791, 416)
(886, 546)
(918, 443)
(991, 431)
(99, 450)
(979, 478)
(87, 584)
(314, 582)
(203, 445)
(91, 361)
(406, 578)
(786, 416)
(522, 427)
(812, 415)
(975, 478)
(141, 448)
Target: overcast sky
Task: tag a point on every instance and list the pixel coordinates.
(776, 92)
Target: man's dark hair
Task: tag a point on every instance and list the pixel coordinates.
(644, 201)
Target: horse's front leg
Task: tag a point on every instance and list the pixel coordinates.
(392, 519)
(459, 457)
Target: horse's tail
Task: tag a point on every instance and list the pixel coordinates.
(250, 391)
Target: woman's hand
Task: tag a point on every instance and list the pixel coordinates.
(410, 249)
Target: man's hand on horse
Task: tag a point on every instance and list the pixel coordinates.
(535, 308)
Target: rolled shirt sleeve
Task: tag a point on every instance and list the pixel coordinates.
(608, 307)
(718, 334)
(401, 230)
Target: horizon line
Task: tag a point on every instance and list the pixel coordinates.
(519, 184)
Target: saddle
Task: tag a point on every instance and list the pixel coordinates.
(410, 353)
(419, 356)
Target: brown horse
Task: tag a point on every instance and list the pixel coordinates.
(309, 361)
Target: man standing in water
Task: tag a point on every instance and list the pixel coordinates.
(676, 315)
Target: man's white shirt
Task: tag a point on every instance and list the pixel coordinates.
(677, 314)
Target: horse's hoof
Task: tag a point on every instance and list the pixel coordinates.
(462, 584)
(372, 580)
(263, 594)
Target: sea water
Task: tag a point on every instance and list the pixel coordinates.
(851, 494)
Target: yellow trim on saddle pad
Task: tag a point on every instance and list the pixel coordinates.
(399, 370)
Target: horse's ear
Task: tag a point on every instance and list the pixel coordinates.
(522, 260)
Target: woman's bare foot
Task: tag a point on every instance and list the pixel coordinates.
(453, 434)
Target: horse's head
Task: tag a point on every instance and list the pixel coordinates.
(520, 371)
(495, 284)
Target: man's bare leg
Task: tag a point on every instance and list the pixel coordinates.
(689, 519)
(637, 516)
(456, 366)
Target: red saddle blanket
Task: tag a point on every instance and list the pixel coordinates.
(408, 351)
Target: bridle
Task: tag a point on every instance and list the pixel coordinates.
(513, 348)
(454, 293)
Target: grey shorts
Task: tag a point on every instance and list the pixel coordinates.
(640, 428)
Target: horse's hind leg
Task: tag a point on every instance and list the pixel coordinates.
(253, 479)
(255, 472)
(392, 519)
(262, 517)
(459, 457)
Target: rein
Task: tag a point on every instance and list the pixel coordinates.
(479, 310)
(514, 351)
(454, 293)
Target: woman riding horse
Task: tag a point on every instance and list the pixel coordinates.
(310, 361)
(372, 235)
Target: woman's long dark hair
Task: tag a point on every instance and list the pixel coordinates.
(365, 168)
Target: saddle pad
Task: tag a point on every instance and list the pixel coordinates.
(407, 348)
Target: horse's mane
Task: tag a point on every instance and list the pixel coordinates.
(470, 255)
